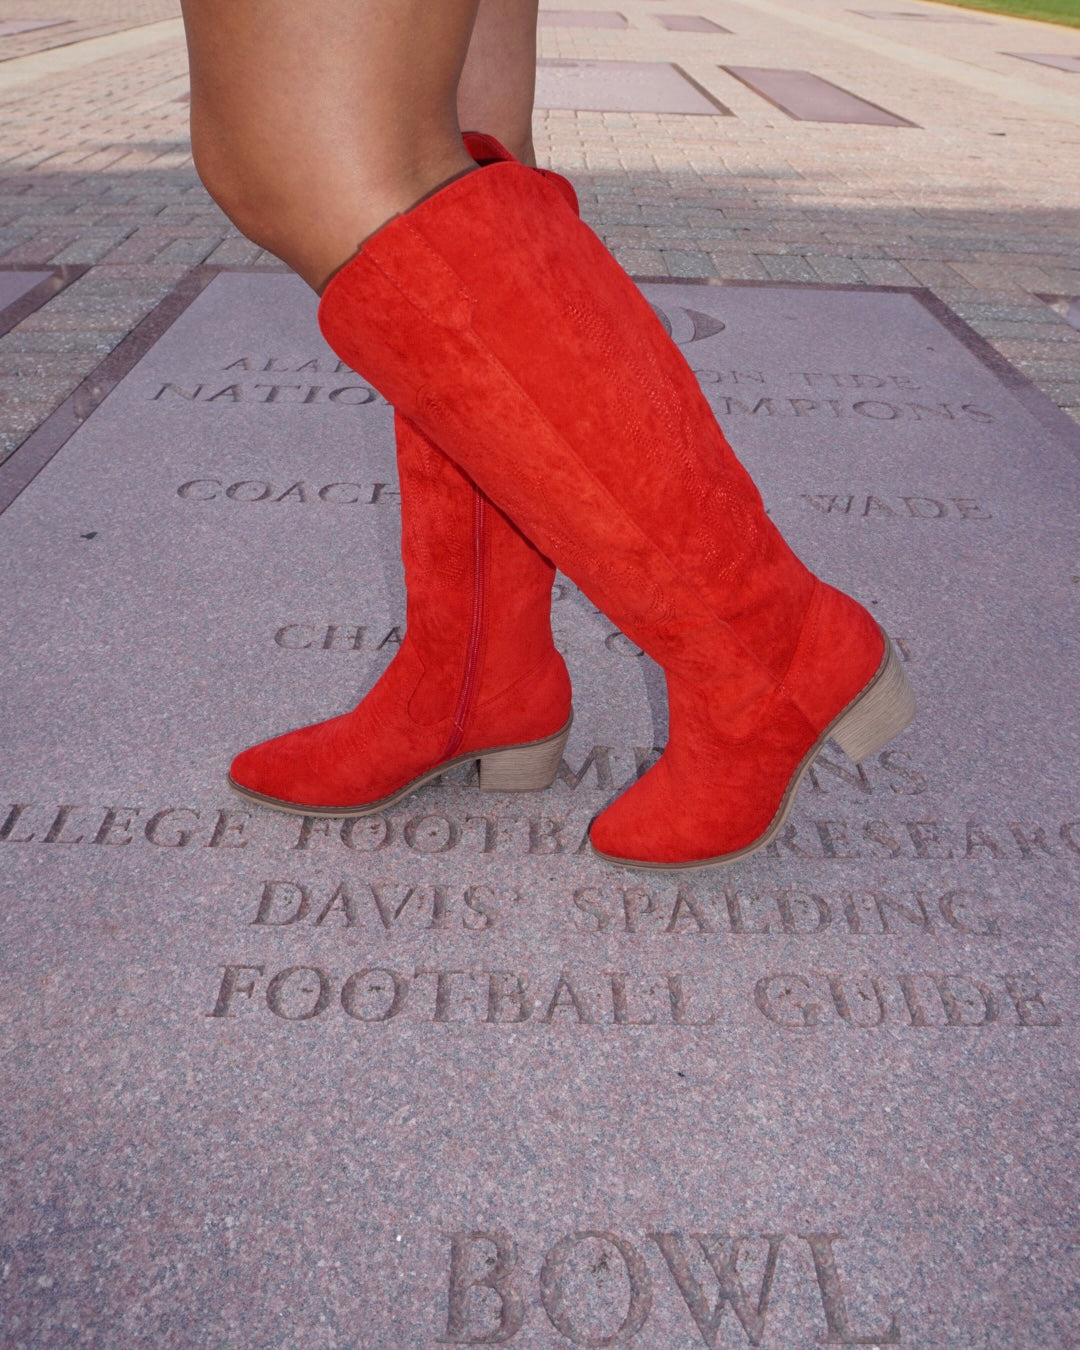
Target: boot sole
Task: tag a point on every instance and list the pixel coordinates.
(884, 708)
(529, 767)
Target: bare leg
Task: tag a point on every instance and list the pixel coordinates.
(497, 85)
(312, 125)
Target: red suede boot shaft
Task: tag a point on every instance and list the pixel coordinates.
(439, 512)
(416, 716)
(493, 317)
(477, 668)
(555, 342)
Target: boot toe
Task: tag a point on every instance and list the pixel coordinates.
(294, 769)
(650, 825)
(275, 769)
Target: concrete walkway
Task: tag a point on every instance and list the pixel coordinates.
(978, 201)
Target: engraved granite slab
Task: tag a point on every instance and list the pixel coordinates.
(808, 98)
(621, 86)
(581, 18)
(918, 17)
(690, 23)
(1057, 61)
(438, 1078)
(25, 289)
(17, 282)
(12, 27)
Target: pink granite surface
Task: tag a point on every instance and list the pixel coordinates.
(439, 1078)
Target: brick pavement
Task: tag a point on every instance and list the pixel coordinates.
(978, 202)
(75, 21)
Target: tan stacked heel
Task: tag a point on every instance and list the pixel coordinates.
(881, 712)
(523, 768)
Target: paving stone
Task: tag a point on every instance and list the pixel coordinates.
(90, 249)
(39, 248)
(1058, 62)
(647, 86)
(235, 252)
(1027, 337)
(15, 284)
(688, 263)
(648, 262)
(581, 18)
(921, 16)
(787, 267)
(892, 959)
(837, 269)
(806, 96)
(91, 343)
(690, 23)
(9, 27)
(887, 272)
(738, 266)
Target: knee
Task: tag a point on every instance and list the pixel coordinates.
(234, 183)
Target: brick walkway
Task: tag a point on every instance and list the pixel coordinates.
(978, 202)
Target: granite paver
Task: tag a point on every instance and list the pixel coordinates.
(448, 1078)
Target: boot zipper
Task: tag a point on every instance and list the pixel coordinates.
(472, 655)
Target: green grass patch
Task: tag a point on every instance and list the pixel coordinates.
(1050, 11)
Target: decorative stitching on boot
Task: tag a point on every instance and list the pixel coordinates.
(447, 303)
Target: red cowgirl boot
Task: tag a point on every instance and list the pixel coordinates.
(498, 322)
(477, 676)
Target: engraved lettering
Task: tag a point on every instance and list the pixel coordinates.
(925, 834)
(55, 833)
(587, 902)
(736, 918)
(1030, 1005)
(377, 981)
(294, 900)
(686, 900)
(553, 1293)
(620, 1003)
(567, 996)
(494, 1274)
(366, 834)
(182, 837)
(13, 817)
(834, 840)
(545, 836)
(955, 906)
(598, 758)
(637, 902)
(967, 1002)
(295, 1003)
(231, 986)
(389, 913)
(838, 988)
(508, 987)
(722, 1253)
(677, 999)
(229, 830)
(112, 823)
(841, 1331)
(486, 913)
(431, 834)
(188, 490)
(1031, 837)
(778, 997)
